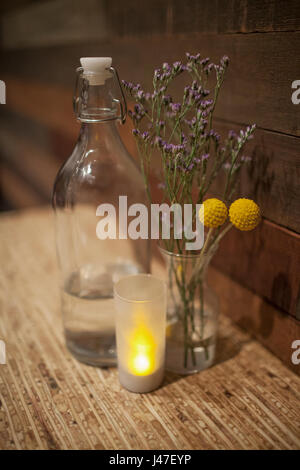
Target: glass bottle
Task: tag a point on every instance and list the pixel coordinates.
(98, 171)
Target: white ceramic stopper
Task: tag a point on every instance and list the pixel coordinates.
(95, 69)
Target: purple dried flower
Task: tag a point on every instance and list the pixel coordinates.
(186, 91)
(214, 135)
(127, 85)
(168, 148)
(157, 75)
(204, 104)
(140, 95)
(231, 134)
(138, 108)
(177, 149)
(158, 141)
(167, 99)
(249, 131)
(204, 62)
(145, 135)
(208, 68)
(197, 134)
(200, 113)
(225, 61)
(137, 88)
(165, 76)
(193, 58)
(178, 68)
(175, 107)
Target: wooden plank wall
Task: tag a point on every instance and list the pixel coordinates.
(256, 274)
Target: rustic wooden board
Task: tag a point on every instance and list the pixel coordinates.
(257, 89)
(266, 260)
(258, 84)
(233, 16)
(47, 23)
(274, 329)
(205, 16)
(248, 400)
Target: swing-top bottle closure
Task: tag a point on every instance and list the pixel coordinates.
(96, 90)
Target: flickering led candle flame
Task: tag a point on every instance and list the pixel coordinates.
(142, 356)
(140, 329)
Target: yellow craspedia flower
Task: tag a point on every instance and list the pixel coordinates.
(244, 214)
(213, 213)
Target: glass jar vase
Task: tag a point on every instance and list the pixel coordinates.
(192, 313)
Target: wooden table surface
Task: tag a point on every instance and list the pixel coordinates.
(248, 400)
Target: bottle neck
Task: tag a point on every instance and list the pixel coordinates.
(95, 101)
(95, 134)
(97, 97)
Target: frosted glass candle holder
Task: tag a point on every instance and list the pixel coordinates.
(141, 304)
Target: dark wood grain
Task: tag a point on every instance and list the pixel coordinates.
(257, 88)
(205, 16)
(272, 328)
(265, 260)
(31, 24)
